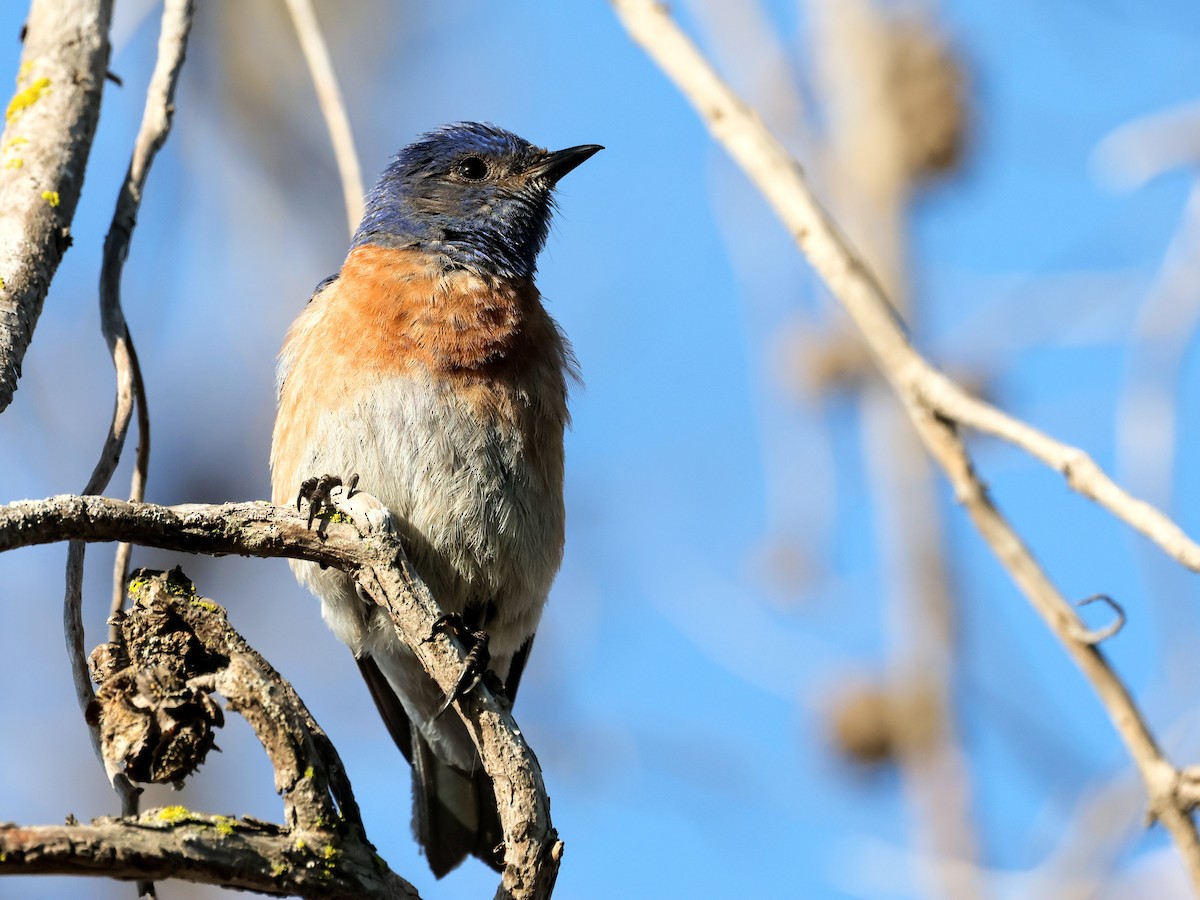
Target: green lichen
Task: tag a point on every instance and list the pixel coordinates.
(172, 814)
(278, 870)
(179, 585)
(24, 99)
(13, 161)
(207, 605)
(331, 855)
(310, 772)
(225, 825)
(50, 197)
(300, 845)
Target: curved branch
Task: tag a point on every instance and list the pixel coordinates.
(375, 558)
(157, 114)
(48, 133)
(156, 124)
(190, 646)
(936, 404)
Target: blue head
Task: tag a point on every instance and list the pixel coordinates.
(478, 196)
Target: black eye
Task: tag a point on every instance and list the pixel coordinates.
(472, 168)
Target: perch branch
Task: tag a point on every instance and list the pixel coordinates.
(374, 557)
(935, 404)
(48, 133)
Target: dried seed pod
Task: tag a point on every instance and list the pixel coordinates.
(153, 707)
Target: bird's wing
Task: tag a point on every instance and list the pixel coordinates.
(326, 282)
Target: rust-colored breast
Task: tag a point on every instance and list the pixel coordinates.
(410, 312)
(396, 313)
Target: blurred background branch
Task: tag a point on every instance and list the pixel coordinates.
(936, 405)
(329, 96)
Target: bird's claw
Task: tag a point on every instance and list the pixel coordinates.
(475, 667)
(315, 492)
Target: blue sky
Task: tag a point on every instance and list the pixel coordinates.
(678, 693)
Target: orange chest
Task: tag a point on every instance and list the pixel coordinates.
(391, 314)
(389, 311)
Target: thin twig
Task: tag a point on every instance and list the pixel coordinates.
(137, 485)
(152, 135)
(932, 400)
(49, 126)
(333, 108)
(156, 124)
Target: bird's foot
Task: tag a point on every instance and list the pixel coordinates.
(316, 493)
(475, 667)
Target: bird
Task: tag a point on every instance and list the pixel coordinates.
(429, 369)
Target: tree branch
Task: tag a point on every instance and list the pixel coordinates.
(935, 404)
(375, 558)
(176, 843)
(48, 133)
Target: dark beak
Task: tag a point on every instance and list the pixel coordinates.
(559, 163)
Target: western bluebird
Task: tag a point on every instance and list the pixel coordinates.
(429, 367)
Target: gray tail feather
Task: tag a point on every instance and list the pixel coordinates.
(454, 812)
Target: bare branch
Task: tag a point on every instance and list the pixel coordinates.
(157, 720)
(375, 558)
(189, 645)
(934, 403)
(218, 850)
(48, 133)
(333, 107)
(783, 185)
(878, 149)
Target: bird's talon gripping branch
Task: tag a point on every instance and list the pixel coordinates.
(315, 492)
(448, 623)
(475, 667)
